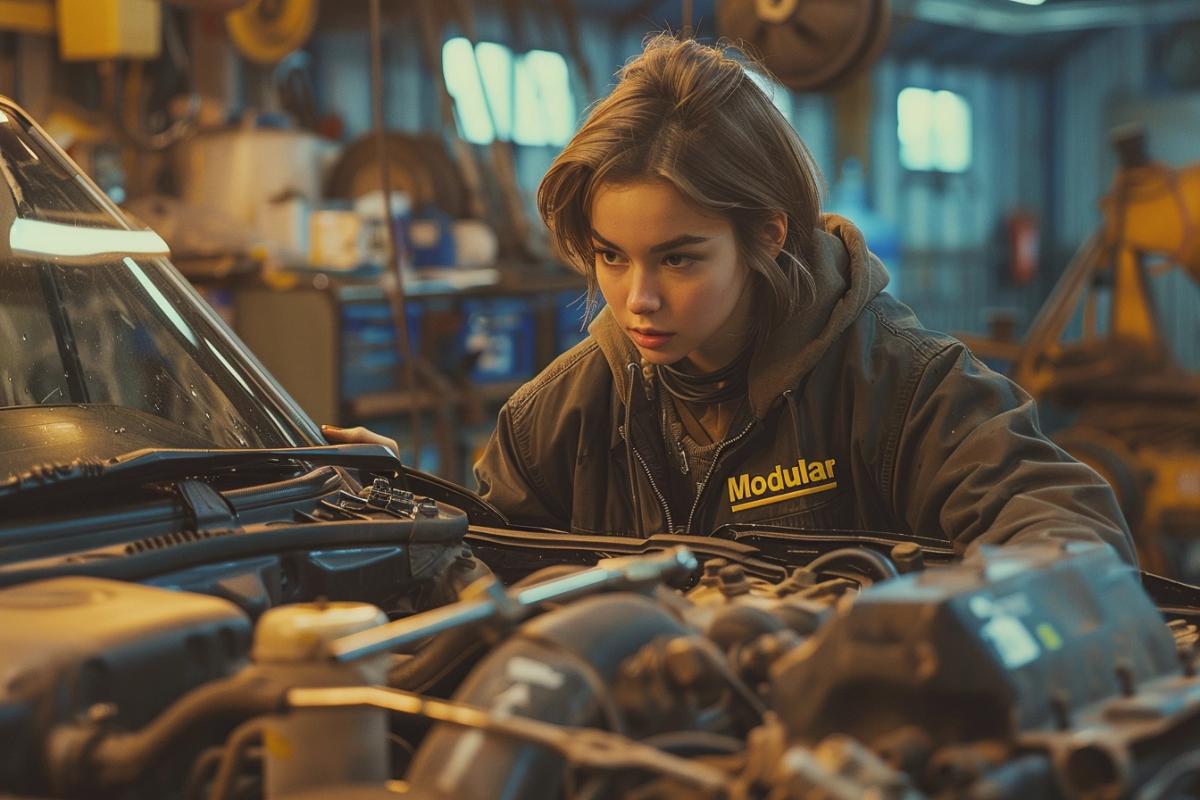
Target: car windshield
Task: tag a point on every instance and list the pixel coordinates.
(93, 315)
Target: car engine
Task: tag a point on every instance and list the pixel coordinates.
(1036, 670)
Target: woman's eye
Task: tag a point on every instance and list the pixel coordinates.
(608, 256)
(678, 260)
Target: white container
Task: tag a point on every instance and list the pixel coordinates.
(337, 239)
(310, 748)
(241, 171)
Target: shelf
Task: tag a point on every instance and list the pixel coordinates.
(385, 404)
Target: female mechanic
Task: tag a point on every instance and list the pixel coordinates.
(747, 365)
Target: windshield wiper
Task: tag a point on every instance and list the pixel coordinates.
(144, 466)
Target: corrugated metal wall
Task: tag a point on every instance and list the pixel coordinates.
(341, 70)
(952, 270)
(1085, 84)
(341, 67)
(954, 266)
(1040, 143)
(1091, 92)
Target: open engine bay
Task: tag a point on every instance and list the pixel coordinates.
(315, 636)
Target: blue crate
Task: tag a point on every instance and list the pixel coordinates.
(372, 323)
(571, 326)
(502, 331)
(370, 353)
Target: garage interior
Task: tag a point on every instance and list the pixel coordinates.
(283, 239)
(351, 187)
(243, 133)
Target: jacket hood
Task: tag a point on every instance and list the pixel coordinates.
(847, 276)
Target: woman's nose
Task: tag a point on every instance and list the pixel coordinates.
(644, 296)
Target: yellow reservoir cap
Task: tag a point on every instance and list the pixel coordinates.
(296, 633)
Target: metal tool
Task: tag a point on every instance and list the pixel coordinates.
(489, 600)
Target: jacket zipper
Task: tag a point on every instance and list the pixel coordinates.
(683, 463)
(711, 467)
(662, 501)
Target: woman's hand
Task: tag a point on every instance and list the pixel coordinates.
(358, 435)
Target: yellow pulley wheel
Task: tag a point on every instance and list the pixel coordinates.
(265, 31)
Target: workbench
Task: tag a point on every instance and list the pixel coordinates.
(331, 342)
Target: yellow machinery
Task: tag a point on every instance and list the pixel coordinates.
(93, 30)
(1138, 418)
(263, 31)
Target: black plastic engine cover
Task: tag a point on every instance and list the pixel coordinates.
(68, 644)
(1010, 640)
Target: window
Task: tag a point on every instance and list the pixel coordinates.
(934, 129)
(528, 96)
(778, 93)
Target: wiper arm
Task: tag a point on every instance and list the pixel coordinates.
(154, 465)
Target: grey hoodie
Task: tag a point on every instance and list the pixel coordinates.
(859, 419)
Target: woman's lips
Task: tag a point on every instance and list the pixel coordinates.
(649, 338)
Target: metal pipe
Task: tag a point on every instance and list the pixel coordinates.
(1079, 16)
(396, 296)
(584, 746)
(626, 572)
(411, 629)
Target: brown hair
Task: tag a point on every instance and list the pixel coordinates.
(690, 114)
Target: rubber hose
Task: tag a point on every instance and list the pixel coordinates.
(737, 624)
(875, 566)
(118, 758)
(554, 670)
(695, 743)
(433, 662)
(449, 651)
(236, 747)
(323, 479)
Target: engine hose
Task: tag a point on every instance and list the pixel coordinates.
(554, 669)
(875, 566)
(696, 743)
(717, 660)
(203, 769)
(437, 660)
(322, 479)
(236, 747)
(738, 624)
(451, 650)
(88, 758)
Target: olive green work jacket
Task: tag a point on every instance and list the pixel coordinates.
(858, 418)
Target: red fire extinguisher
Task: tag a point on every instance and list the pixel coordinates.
(1024, 246)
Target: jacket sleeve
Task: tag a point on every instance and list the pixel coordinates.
(972, 462)
(509, 477)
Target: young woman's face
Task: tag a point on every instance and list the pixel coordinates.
(671, 275)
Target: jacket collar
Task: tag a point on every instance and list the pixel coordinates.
(847, 277)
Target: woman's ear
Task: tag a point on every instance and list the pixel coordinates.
(774, 231)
